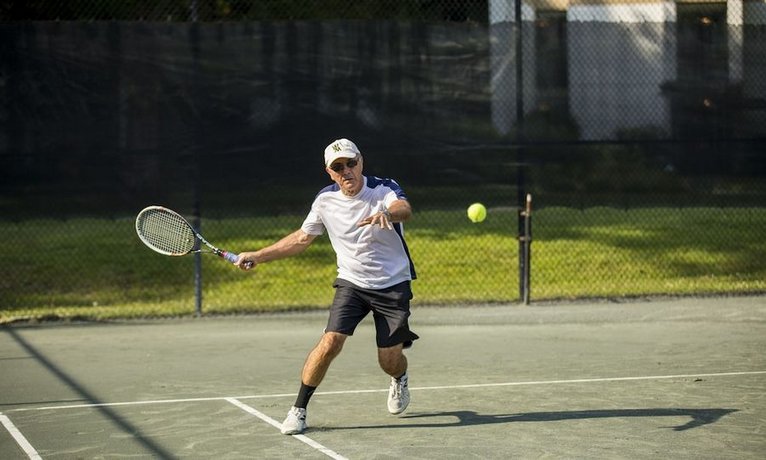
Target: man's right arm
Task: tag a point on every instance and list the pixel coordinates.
(292, 244)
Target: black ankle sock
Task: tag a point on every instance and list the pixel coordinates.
(304, 395)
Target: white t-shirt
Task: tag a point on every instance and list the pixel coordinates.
(370, 257)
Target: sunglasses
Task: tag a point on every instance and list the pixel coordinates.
(338, 167)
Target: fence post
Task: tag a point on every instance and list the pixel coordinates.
(197, 264)
(520, 140)
(195, 43)
(525, 250)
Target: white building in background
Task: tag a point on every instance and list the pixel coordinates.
(621, 61)
(619, 56)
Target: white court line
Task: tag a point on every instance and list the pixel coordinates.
(347, 392)
(20, 439)
(250, 410)
(593, 380)
(149, 401)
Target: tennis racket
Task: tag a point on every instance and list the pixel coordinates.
(166, 232)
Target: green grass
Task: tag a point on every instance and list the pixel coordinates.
(650, 251)
(91, 268)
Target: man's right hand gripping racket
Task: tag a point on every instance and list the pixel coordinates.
(167, 232)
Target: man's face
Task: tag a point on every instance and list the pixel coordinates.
(347, 173)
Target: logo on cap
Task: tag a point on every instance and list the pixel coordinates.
(336, 147)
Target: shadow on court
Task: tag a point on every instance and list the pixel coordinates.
(87, 396)
(699, 417)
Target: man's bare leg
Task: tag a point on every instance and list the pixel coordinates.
(318, 361)
(314, 370)
(392, 360)
(394, 363)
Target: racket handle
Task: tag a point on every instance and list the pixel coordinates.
(233, 258)
(230, 256)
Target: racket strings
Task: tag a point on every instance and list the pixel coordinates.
(166, 231)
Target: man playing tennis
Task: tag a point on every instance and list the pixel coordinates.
(363, 217)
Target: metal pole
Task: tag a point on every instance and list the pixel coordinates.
(518, 41)
(197, 223)
(194, 39)
(197, 258)
(520, 172)
(525, 255)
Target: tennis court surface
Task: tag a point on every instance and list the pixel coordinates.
(675, 378)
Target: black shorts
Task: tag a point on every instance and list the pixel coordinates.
(390, 309)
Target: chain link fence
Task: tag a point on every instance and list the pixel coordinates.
(244, 10)
(638, 129)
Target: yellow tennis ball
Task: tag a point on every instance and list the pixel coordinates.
(477, 212)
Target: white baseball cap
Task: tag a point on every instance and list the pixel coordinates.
(340, 148)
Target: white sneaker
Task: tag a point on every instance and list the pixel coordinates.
(398, 395)
(295, 423)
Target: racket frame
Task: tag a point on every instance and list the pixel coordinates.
(230, 256)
